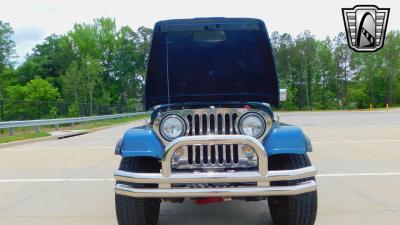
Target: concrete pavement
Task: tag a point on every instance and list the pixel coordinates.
(69, 181)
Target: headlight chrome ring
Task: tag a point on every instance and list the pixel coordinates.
(177, 119)
(258, 117)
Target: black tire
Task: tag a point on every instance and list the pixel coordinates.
(138, 211)
(297, 209)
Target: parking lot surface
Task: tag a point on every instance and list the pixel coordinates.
(70, 181)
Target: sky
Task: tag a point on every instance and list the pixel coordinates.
(34, 20)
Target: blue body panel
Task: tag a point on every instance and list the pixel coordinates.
(141, 142)
(281, 140)
(286, 140)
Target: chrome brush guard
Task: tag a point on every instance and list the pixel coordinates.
(168, 180)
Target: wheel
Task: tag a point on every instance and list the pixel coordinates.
(297, 209)
(138, 211)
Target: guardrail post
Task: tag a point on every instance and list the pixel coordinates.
(2, 113)
(57, 126)
(2, 109)
(37, 129)
(39, 110)
(12, 132)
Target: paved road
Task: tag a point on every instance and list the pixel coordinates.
(69, 181)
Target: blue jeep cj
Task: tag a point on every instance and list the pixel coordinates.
(211, 86)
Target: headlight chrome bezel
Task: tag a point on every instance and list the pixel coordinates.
(188, 115)
(181, 120)
(246, 115)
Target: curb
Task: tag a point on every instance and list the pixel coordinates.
(110, 126)
(48, 138)
(61, 136)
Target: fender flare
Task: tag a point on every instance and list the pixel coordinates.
(287, 140)
(280, 140)
(140, 142)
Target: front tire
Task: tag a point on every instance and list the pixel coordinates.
(138, 211)
(297, 209)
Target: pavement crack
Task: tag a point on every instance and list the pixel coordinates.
(365, 196)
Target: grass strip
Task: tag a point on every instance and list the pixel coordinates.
(23, 136)
(29, 133)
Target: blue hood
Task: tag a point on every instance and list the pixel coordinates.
(211, 60)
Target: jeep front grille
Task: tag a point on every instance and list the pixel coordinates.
(212, 123)
(212, 156)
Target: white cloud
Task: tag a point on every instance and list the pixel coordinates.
(29, 33)
(322, 18)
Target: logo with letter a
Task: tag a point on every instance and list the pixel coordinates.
(365, 27)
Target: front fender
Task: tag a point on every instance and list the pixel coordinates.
(281, 140)
(140, 142)
(286, 140)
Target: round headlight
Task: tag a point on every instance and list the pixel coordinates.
(252, 124)
(172, 127)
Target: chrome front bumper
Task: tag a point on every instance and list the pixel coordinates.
(262, 177)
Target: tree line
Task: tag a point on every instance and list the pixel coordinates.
(327, 74)
(100, 64)
(95, 64)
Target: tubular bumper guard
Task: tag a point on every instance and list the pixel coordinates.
(262, 177)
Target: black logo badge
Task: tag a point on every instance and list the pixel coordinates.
(365, 27)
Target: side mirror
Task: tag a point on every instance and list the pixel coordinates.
(282, 95)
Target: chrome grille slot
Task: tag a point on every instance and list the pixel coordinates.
(206, 156)
(211, 123)
(212, 155)
(190, 155)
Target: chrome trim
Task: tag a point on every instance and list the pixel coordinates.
(211, 159)
(260, 178)
(214, 140)
(183, 113)
(173, 116)
(215, 177)
(301, 188)
(252, 114)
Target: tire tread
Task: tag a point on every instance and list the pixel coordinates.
(137, 211)
(292, 210)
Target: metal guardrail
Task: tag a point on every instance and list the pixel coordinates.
(13, 109)
(48, 122)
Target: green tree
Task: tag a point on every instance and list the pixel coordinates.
(343, 55)
(82, 81)
(48, 60)
(99, 63)
(7, 52)
(36, 89)
(143, 44)
(72, 82)
(391, 56)
(327, 71)
(37, 94)
(7, 45)
(91, 71)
